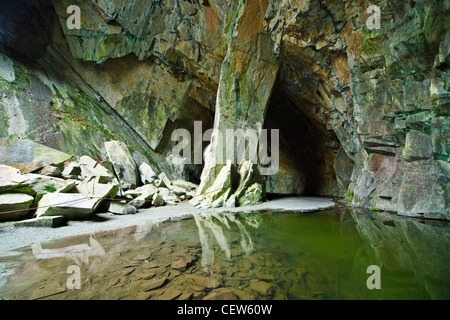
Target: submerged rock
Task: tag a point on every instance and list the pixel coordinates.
(221, 294)
(153, 284)
(261, 287)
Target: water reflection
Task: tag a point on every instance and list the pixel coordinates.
(78, 253)
(323, 255)
(413, 254)
(217, 225)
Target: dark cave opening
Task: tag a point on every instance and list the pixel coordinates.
(26, 28)
(306, 154)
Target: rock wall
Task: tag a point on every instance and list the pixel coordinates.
(362, 113)
(382, 93)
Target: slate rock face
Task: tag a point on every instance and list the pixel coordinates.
(355, 106)
(417, 146)
(28, 156)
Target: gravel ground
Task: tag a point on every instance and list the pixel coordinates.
(13, 238)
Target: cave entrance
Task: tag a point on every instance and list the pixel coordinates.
(307, 151)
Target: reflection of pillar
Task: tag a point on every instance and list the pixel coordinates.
(217, 224)
(247, 78)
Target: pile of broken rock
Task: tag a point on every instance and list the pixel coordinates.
(55, 189)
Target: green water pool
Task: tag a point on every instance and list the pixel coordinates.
(335, 254)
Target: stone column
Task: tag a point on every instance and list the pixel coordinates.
(247, 78)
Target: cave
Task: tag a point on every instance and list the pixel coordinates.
(351, 117)
(26, 28)
(95, 201)
(307, 152)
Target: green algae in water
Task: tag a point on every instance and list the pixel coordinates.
(323, 255)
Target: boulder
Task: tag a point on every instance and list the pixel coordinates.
(145, 189)
(87, 161)
(188, 186)
(146, 173)
(43, 184)
(144, 194)
(69, 205)
(29, 156)
(164, 192)
(72, 170)
(217, 194)
(177, 191)
(140, 201)
(120, 208)
(76, 205)
(158, 200)
(163, 181)
(168, 196)
(88, 168)
(11, 181)
(98, 190)
(14, 206)
(51, 171)
(123, 164)
(99, 171)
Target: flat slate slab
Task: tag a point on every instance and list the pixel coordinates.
(14, 205)
(69, 205)
(47, 222)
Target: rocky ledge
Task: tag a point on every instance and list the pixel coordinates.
(39, 182)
